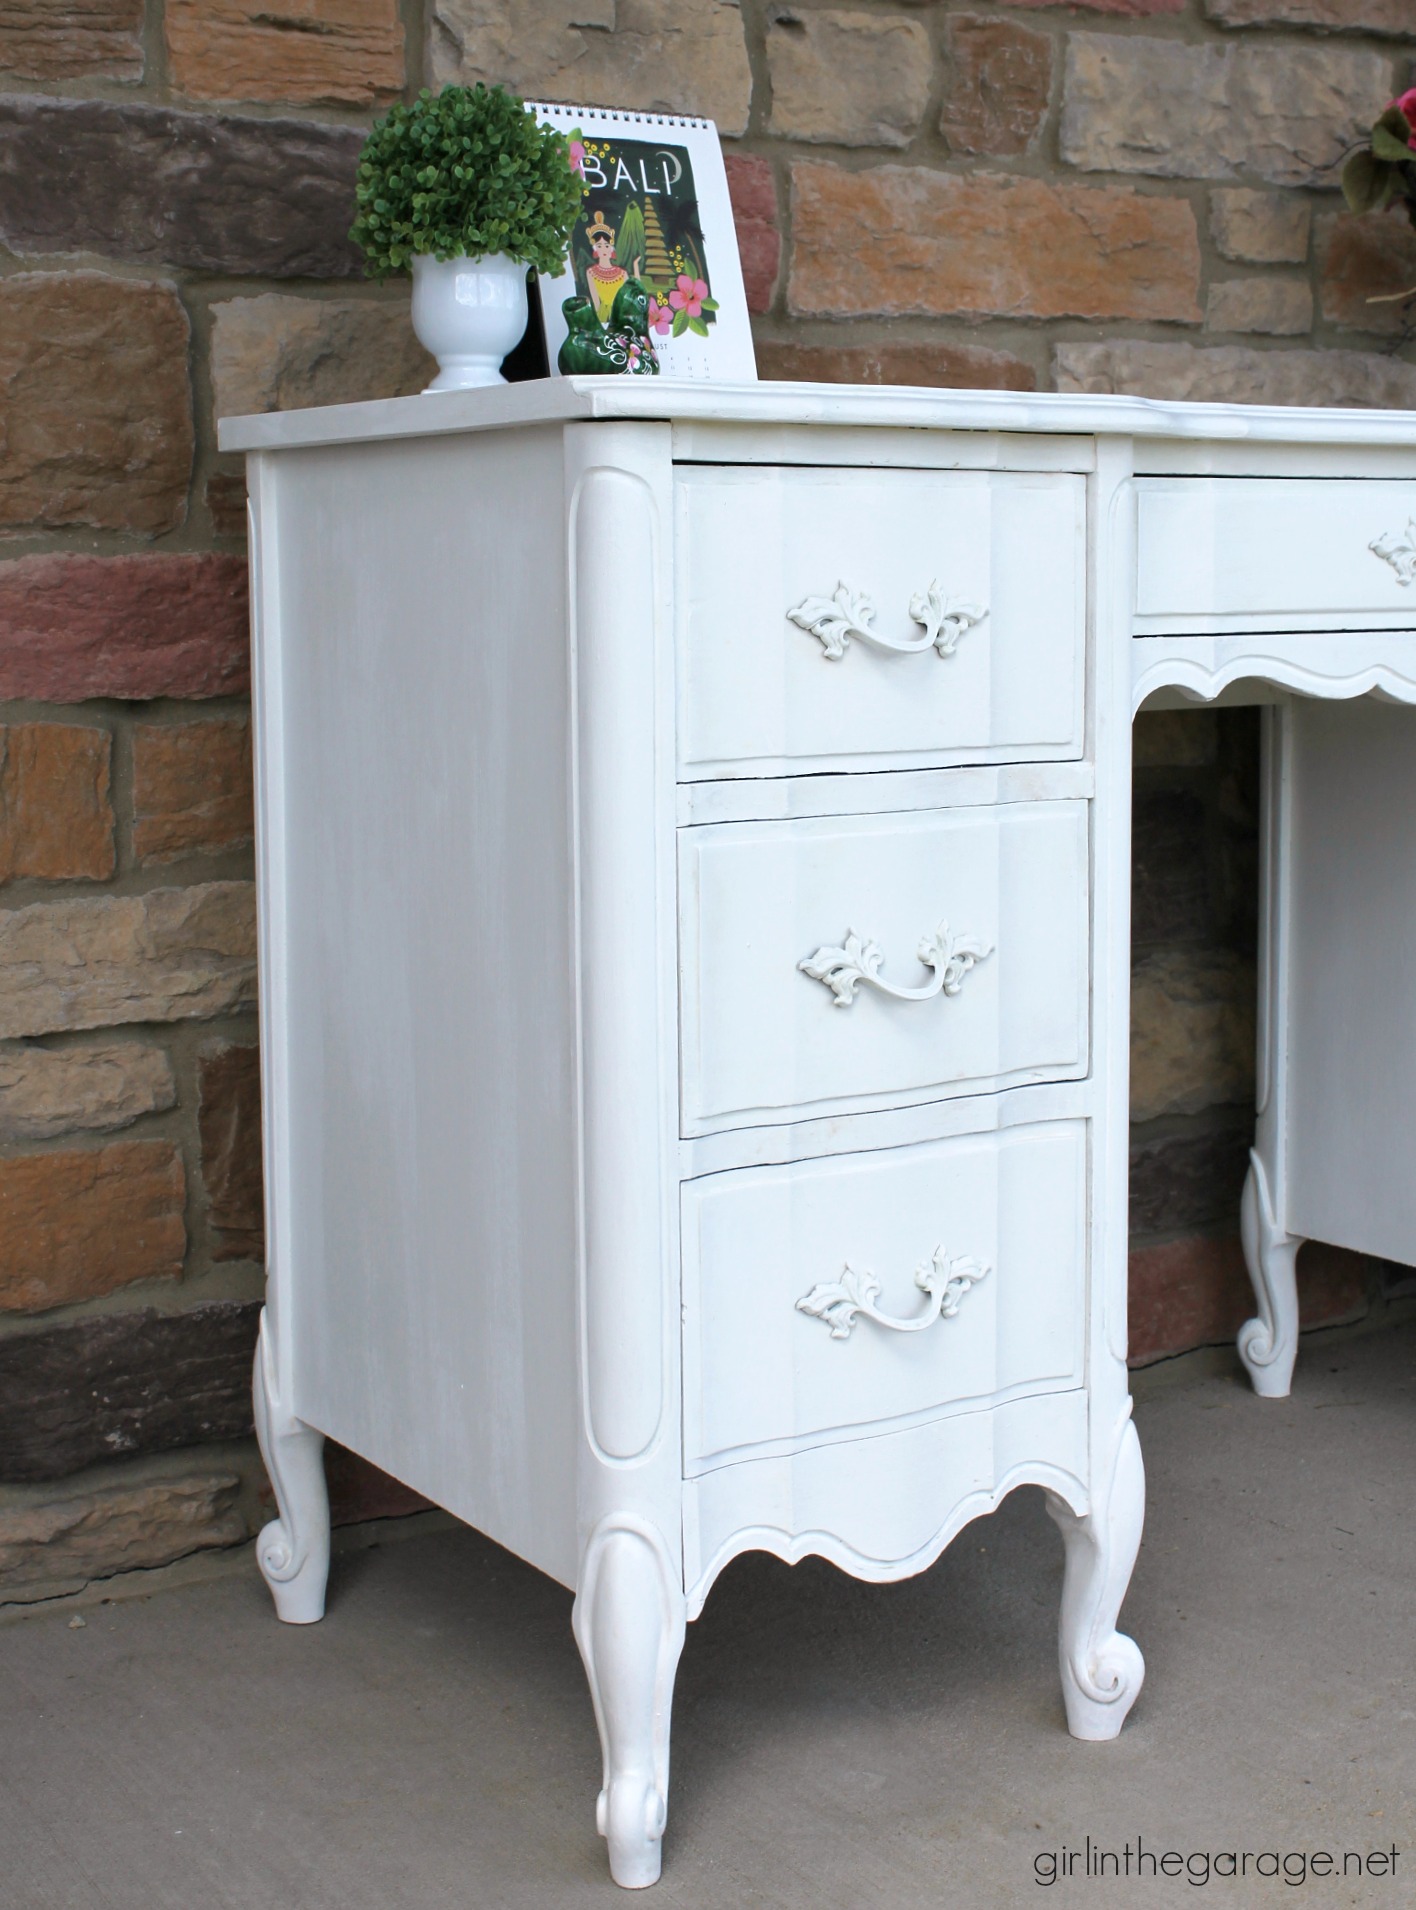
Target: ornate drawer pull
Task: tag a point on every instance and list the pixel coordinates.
(945, 1281)
(1399, 552)
(847, 613)
(842, 970)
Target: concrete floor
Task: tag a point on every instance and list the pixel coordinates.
(431, 1745)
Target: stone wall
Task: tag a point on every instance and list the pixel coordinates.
(1136, 195)
(174, 205)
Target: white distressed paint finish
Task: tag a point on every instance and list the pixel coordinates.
(428, 1058)
(761, 1374)
(1241, 554)
(763, 1040)
(758, 799)
(1268, 1343)
(486, 637)
(791, 1504)
(908, 410)
(1352, 979)
(1217, 668)
(1336, 1038)
(768, 553)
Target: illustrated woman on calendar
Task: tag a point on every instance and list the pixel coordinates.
(604, 276)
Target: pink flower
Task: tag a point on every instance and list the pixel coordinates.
(1407, 103)
(688, 295)
(661, 318)
(577, 157)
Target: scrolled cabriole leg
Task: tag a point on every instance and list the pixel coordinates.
(293, 1550)
(629, 1623)
(1268, 1345)
(1102, 1669)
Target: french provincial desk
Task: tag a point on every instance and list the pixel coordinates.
(694, 833)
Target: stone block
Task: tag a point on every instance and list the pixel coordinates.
(847, 78)
(957, 367)
(1196, 1292)
(124, 1383)
(654, 56)
(1186, 1293)
(1275, 110)
(1170, 873)
(1394, 1281)
(168, 955)
(45, 1092)
(225, 498)
(1334, 1285)
(191, 788)
(1281, 307)
(85, 1221)
(74, 627)
(72, 39)
(753, 193)
(1131, 9)
(999, 85)
(49, 1545)
(280, 353)
(898, 240)
(349, 52)
(1182, 1182)
(210, 192)
(56, 817)
(96, 399)
(1237, 374)
(1175, 739)
(1373, 257)
(1192, 1031)
(1259, 227)
(1332, 16)
(229, 1121)
(359, 1491)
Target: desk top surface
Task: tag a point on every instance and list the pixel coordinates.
(569, 400)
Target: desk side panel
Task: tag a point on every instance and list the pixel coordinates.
(1351, 1003)
(427, 1021)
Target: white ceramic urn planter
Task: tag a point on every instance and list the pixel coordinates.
(469, 313)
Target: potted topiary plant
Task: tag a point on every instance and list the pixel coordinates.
(465, 190)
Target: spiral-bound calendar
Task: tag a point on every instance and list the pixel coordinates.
(653, 285)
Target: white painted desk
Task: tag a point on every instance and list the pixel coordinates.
(694, 840)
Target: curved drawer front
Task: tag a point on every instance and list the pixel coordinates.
(877, 619)
(841, 963)
(1242, 554)
(995, 1221)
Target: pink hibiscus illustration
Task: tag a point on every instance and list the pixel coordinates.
(1406, 105)
(577, 156)
(661, 317)
(688, 295)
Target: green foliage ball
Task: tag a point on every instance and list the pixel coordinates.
(468, 172)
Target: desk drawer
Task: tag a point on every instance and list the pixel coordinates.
(760, 694)
(1253, 554)
(978, 915)
(983, 1237)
